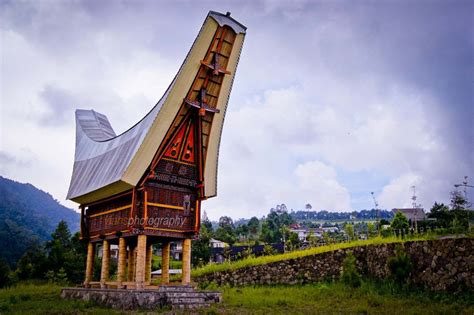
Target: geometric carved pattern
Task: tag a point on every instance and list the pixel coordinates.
(174, 148)
(188, 150)
(182, 145)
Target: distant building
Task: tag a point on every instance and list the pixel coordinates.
(176, 250)
(304, 233)
(217, 244)
(113, 251)
(413, 214)
(330, 229)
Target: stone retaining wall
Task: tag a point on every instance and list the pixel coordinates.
(446, 264)
(174, 297)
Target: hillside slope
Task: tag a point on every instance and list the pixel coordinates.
(28, 215)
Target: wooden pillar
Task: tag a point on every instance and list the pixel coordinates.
(186, 261)
(104, 273)
(131, 264)
(149, 260)
(89, 264)
(140, 262)
(165, 263)
(121, 277)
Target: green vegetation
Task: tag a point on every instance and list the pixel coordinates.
(400, 266)
(323, 298)
(40, 298)
(28, 216)
(350, 276)
(60, 260)
(174, 264)
(400, 222)
(254, 261)
(336, 298)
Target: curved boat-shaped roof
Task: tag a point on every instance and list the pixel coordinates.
(106, 164)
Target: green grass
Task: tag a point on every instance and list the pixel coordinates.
(43, 299)
(254, 261)
(335, 298)
(322, 298)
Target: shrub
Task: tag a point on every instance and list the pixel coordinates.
(350, 276)
(5, 279)
(268, 250)
(400, 266)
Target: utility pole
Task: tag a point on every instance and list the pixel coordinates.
(377, 212)
(465, 185)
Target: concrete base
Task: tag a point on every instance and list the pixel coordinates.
(173, 297)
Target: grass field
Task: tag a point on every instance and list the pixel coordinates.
(253, 261)
(323, 298)
(335, 298)
(42, 299)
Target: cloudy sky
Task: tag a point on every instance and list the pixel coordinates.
(332, 99)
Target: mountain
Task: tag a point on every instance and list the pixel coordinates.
(28, 215)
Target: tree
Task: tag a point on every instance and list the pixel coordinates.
(75, 260)
(273, 223)
(226, 222)
(293, 241)
(458, 201)
(33, 264)
(441, 213)
(267, 234)
(400, 221)
(371, 229)
(242, 231)
(208, 225)
(253, 226)
(201, 250)
(225, 232)
(4, 273)
(460, 210)
(312, 239)
(59, 244)
(308, 207)
(68, 253)
(349, 228)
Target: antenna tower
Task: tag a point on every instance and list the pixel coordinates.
(377, 212)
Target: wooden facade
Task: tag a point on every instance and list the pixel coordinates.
(165, 203)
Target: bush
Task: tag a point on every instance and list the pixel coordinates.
(350, 276)
(5, 272)
(268, 250)
(400, 266)
(59, 277)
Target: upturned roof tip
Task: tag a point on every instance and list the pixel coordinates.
(226, 19)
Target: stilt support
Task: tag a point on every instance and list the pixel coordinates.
(104, 273)
(186, 261)
(140, 262)
(121, 262)
(89, 264)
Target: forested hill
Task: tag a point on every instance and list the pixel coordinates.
(28, 215)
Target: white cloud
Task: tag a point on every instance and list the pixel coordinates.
(317, 183)
(398, 193)
(322, 91)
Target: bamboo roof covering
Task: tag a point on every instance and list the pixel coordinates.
(106, 164)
